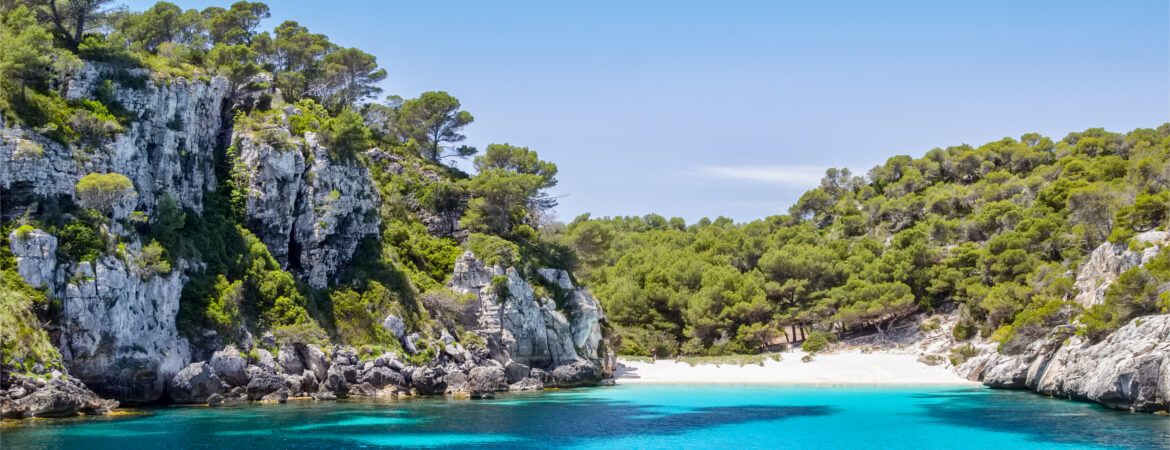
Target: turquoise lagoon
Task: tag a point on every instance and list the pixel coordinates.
(645, 416)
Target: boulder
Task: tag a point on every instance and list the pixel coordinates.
(289, 359)
(580, 373)
(264, 384)
(309, 382)
(380, 377)
(279, 396)
(335, 381)
(515, 371)
(484, 382)
(266, 361)
(395, 325)
(428, 380)
(315, 361)
(230, 366)
(195, 384)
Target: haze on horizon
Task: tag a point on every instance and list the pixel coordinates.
(735, 108)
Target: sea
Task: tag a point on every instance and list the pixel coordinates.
(728, 417)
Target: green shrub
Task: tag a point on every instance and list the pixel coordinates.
(500, 286)
(302, 333)
(23, 341)
(964, 329)
(493, 250)
(962, 353)
(817, 341)
(79, 241)
(153, 261)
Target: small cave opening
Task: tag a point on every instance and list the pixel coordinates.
(294, 254)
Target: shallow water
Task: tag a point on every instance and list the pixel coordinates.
(646, 416)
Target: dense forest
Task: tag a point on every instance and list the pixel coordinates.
(286, 84)
(996, 230)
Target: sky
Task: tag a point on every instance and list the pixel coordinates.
(735, 108)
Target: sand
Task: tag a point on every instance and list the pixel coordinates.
(845, 367)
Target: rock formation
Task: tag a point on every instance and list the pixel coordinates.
(311, 214)
(1129, 369)
(532, 331)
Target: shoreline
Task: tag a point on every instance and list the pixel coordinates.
(847, 367)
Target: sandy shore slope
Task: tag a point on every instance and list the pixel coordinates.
(846, 367)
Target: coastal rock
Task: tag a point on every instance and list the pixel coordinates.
(289, 360)
(484, 382)
(229, 365)
(195, 384)
(1129, 369)
(168, 147)
(527, 384)
(118, 330)
(428, 380)
(532, 331)
(580, 373)
(1108, 261)
(264, 384)
(58, 397)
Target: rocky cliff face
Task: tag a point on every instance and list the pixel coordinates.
(532, 331)
(168, 148)
(117, 322)
(116, 329)
(310, 213)
(1130, 369)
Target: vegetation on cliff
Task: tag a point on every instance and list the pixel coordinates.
(284, 84)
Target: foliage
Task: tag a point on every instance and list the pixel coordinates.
(102, 191)
(817, 342)
(434, 119)
(493, 250)
(24, 343)
(998, 229)
(79, 241)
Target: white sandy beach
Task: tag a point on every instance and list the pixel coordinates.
(845, 367)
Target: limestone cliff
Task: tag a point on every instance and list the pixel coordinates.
(309, 207)
(1129, 369)
(533, 331)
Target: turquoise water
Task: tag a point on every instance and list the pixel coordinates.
(660, 416)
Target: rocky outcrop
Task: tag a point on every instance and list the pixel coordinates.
(1129, 369)
(58, 396)
(521, 328)
(1109, 261)
(310, 213)
(167, 148)
(117, 322)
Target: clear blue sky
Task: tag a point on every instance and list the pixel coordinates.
(734, 108)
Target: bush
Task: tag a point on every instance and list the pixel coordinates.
(963, 330)
(962, 353)
(493, 250)
(24, 344)
(302, 333)
(79, 241)
(817, 341)
(500, 286)
(153, 261)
